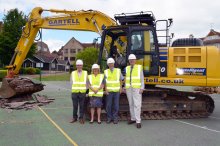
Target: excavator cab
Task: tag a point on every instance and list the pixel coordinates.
(136, 35)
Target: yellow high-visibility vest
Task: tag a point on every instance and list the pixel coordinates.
(113, 79)
(79, 83)
(135, 76)
(95, 82)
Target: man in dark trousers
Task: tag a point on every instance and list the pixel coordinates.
(78, 80)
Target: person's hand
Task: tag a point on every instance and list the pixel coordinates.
(121, 90)
(106, 92)
(141, 91)
(96, 91)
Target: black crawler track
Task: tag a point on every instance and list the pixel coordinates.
(164, 103)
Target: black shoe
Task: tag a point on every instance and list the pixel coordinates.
(91, 122)
(73, 120)
(138, 125)
(100, 122)
(131, 122)
(115, 122)
(108, 121)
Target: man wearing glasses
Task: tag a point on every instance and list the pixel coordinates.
(78, 80)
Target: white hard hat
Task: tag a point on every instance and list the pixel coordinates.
(79, 62)
(110, 60)
(95, 66)
(132, 56)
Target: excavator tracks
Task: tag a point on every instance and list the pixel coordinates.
(165, 103)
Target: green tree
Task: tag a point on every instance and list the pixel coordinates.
(13, 22)
(89, 57)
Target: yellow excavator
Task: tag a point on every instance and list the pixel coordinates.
(132, 33)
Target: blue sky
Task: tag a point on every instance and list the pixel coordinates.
(195, 17)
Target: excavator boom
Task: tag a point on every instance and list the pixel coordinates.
(90, 20)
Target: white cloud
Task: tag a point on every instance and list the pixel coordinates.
(54, 44)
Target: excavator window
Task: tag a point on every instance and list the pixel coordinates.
(143, 46)
(114, 45)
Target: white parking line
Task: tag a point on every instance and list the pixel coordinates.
(202, 127)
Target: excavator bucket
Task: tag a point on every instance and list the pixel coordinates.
(12, 87)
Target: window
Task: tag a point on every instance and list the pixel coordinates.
(40, 65)
(72, 58)
(139, 37)
(53, 65)
(45, 49)
(38, 48)
(72, 51)
(79, 50)
(136, 41)
(66, 50)
(65, 58)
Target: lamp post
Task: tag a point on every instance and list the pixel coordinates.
(41, 45)
(95, 42)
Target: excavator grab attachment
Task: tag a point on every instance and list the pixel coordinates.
(12, 87)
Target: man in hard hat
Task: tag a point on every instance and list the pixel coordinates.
(134, 85)
(78, 81)
(113, 87)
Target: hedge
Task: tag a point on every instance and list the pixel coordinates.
(30, 71)
(3, 73)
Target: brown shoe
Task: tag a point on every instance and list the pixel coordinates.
(115, 121)
(138, 125)
(131, 122)
(73, 120)
(81, 121)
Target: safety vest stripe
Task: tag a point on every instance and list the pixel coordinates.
(128, 78)
(78, 87)
(90, 79)
(113, 88)
(113, 82)
(101, 77)
(139, 71)
(96, 86)
(106, 73)
(135, 83)
(85, 76)
(96, 93)
(79, 83)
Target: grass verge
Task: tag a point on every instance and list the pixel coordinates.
(54, 77)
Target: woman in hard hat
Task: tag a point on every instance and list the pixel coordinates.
(96, 84)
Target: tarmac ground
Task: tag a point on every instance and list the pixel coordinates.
(49, 126)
